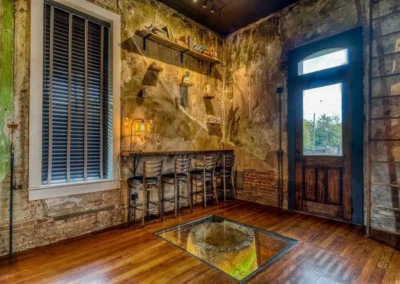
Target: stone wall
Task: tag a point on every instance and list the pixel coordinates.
(176, 125)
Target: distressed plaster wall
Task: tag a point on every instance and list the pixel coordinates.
(175, 125)
(257, 64)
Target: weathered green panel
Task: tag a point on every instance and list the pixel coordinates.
(6, 80)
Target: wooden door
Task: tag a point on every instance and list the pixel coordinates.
(325, 114)
(323, 167)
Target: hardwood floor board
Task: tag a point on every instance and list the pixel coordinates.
(370, 264)
(348, 273)
(111, 263)
(332, 266)
(300, 273)
(369, 249)
(272, 272)
(393, 268)
(326, 230)
(327, 251)
(313, 276)
(83, 261)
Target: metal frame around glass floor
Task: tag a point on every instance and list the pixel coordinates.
(291, 243)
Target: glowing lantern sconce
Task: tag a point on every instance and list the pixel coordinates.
(139, 126)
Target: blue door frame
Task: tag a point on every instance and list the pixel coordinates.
(352, 40)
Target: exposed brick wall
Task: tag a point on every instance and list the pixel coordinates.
(260, 187)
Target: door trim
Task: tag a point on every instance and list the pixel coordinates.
(353, 40)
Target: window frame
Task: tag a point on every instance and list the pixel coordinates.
(37, 190)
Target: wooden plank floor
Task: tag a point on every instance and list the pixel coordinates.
(327, 252)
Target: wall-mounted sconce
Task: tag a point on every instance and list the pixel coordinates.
(139, 126)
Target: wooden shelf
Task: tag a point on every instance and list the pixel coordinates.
(147, 35)
(156, 69)
(186, 84)
(202, 57)
(209, 97)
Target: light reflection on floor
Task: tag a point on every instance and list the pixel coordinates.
(234, 248)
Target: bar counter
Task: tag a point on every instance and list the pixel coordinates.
(138, 155)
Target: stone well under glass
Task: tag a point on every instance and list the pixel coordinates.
(234, 248)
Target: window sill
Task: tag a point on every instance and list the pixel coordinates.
(61, 190)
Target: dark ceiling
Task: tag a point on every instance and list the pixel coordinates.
(236, 13)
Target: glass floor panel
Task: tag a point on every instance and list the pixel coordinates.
(234, 248)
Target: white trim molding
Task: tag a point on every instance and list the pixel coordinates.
(36, 189)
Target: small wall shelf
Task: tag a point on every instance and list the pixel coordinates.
(209, 97)
(147, 35)
(186, 84)
(156, 69)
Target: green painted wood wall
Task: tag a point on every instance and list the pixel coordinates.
(6, 80)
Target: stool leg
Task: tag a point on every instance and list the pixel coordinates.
(204, 191)
(176, 196)
(129, 203)
(179, 199)
(160, 202)
(134, 215)
(233, 186)
(162, 199)
(214, 189)
(189, 189)
(224, 179)
(144, 211)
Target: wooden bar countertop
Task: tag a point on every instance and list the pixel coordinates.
(170, 153)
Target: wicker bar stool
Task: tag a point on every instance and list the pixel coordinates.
(180, 176)
(225, 172)
(205, 173)
(151, 180)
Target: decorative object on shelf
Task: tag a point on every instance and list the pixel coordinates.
(207, 92)
(208, 52)
(143, 92)
(139, 126)
(186, 40)
(155, 66)
(150, 28)
(170, 33)
(213, 119)
(186, 80)
(199, 48)
(165, 32)
(161, 32)
(178, 41)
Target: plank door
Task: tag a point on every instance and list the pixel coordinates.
(323, 160)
